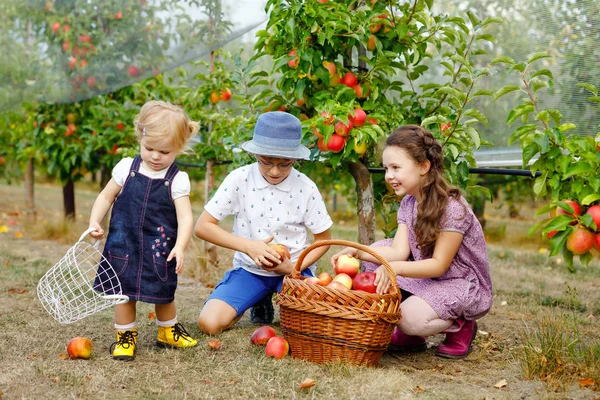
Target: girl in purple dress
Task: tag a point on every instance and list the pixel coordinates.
(438, 254)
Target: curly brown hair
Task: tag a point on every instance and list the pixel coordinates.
(421, 146)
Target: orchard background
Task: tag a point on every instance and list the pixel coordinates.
(351, 70)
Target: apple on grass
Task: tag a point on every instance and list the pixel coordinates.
(277, 347)
(79, 347)
(262, 335)
(344, 279)
(365, 281)
(348, 265)
(325, 277)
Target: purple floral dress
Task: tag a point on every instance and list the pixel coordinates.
(465, 290)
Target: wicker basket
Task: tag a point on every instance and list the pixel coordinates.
(325, 325)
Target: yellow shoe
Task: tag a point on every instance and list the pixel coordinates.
(124, 347)
(174, 336)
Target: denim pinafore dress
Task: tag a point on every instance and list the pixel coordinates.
(142, 233)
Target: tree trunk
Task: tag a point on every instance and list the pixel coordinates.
(29, 189)
(69, 199)
(365, 203)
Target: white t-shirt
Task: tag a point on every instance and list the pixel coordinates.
(179, 188)
(284, 211)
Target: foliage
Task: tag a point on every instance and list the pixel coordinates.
(567, 162)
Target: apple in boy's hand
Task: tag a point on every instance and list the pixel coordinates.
(364, 281)
(325, 277)
(262, 335)
(344, 279)
(79, 347)
(281, 250)
(277, 347)
(347, 265)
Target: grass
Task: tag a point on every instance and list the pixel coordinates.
(542, 335)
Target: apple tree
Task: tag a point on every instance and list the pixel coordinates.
(564, 163)
(354, 70)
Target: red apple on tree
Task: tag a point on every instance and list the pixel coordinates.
(79, 347)
(120, 126)
(359, 117)
(91, 81)
(364, 281)
(225, 94)
(336, 143)
(55, 27)
(262, 335)
(597, 241)
(580, 241)
(133, 71)
(349, 79)
(293, 63)
(346, 264)
(594, 211)
(342, 129)
(277, 347)
(574, 204)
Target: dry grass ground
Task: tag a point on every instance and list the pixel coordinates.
(532, 293)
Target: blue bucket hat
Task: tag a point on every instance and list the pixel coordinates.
(277, 134)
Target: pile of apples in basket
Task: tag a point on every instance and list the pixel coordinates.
(346, 276)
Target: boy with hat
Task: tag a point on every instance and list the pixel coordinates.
(272, 203)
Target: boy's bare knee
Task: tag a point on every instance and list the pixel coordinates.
(209, 327)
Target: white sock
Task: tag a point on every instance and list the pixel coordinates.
(170, 322)
(127, 327)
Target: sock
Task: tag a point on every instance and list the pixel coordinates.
(127, 327)
(170, 322)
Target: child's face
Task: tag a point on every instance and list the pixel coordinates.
(402, 173)
(156, 155)
(274, 169)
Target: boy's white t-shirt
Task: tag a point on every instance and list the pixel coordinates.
(284, 211)
(181, 182)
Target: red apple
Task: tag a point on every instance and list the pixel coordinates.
(321, 145)
(120, 126)
(133, 71)
(225, 95)
(344, 279)
(325, 277)
(91, 81)
(314, 281)
(277, 347)
(281, 250)
(594, 211)
(371, 43)
(293, 63)
(79, 347)
(337, 285)
(365, 281)
(330, 67)
(55, 27)
(349, 79)
(214, 97)
(359, 117)
(551, 234)
(347, 265)
(327, 118)
(85, 38)
(580, 241)
(371, 120)
(119, 15)
(262, 335)
(597, 241)
(336, 143)
(342, 129)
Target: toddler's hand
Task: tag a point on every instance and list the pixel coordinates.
(179, 256)
(98, 232)
(351, 251)
(382, 280)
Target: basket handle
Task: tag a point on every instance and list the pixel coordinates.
(319, 243)
(87, 232)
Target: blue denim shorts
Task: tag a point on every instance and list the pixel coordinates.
(242, 289)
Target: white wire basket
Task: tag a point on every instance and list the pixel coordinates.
(82, 283)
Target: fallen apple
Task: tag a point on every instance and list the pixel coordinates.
(344, 279)
(281, 250)
(79, 347)
(325, 277)
(347, 265)
(277, 347)
(262, 335)
(365, 281)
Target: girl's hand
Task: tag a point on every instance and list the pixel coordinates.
(351, 251)
(263, 255)
(179, 256)
(382, 280)
(98, 232)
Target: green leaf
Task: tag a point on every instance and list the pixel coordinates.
(589, 199)
(491, 20)
(577, 168)
(474, 136)
(539, 187)
(519, 132)
(478, 115)
(433, 120)
(544, 72)
(589, 87)
(567, 127)
(504, 90)
(473, 18)
(503, 59)
(483, 92)
(488, 37)
(537, 56)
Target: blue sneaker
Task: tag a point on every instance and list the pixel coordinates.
(262, 313)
